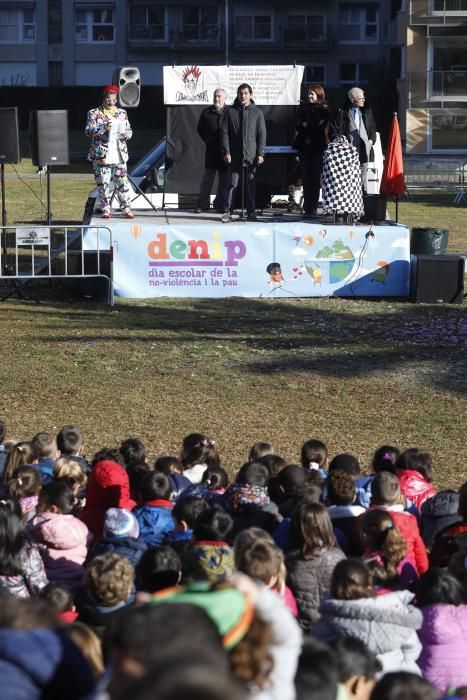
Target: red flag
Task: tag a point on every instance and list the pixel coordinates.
(392, 181)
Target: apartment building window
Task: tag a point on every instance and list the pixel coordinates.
(354, 73)
(253, 27)
(94, 24)
(200, 23)
(315, 74)
(17, 25)
(449, 6)
(358, 24)
(148, 22)
(306, 27)
(448, 75)
(448, 132)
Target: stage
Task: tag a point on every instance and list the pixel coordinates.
(177, 253)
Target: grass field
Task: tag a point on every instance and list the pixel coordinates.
(354, 373)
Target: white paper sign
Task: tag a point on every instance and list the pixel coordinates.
(272, 85)
(35, 235)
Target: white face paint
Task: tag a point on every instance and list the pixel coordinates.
(110, 100)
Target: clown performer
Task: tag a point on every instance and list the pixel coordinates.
(109, 129)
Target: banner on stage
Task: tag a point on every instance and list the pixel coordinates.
(193, 84)
(283, 260)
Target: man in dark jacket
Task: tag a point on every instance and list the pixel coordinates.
(355, 121)
(243, 142)
(210, 130)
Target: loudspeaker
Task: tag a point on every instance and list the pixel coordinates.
(9, 135)
(128, 81)
(48, 137)
(86, 263)
(375, 208)
(437, 279)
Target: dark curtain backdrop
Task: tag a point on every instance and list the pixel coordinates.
(185, 151)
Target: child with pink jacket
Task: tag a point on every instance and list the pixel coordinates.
(63, 540)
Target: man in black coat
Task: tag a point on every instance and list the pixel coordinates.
(243, 142)
(355, 121)
(210, 129)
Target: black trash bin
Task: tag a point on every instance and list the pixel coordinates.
(428, 241)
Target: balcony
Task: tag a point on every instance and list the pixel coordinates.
(432, 88)
(438, 13)
(277, 37)
(313, 38)
(153, 35)
(147, 35)
(208, 35)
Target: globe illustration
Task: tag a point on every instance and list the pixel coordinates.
(331, 264)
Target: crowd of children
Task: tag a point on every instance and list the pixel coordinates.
(124, 578)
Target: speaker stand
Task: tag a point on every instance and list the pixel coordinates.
(143, 194)
(140, 191)
(2, 178)
(49, 210)
(4, 246)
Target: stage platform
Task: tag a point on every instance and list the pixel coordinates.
(178, 253)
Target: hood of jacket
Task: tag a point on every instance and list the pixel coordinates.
(414, 484)
(353, 510)
(444, 624)
(240, 497)
(153, 522)
(438, 513)
(41, 663)
(382, 622)
(442, 504)
(58, 531)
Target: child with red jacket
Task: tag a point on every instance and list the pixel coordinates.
(108, 486)
(386, 495)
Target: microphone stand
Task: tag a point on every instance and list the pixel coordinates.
(242, 215)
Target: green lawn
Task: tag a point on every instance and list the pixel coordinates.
(353, 373)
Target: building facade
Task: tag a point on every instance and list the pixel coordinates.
(80, 42)
(433, 87)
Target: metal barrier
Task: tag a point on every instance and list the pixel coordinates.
(57, 253)
(438, 175)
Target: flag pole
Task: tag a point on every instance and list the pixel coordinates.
(397, 196)
(392, 181)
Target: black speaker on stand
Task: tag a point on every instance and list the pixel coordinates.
(9, 153)
(48, 139)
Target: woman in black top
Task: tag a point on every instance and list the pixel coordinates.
(311, 138)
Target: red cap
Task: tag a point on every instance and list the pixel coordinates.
(111, 88)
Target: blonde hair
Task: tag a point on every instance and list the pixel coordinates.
(88, 643)
(70, 469)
